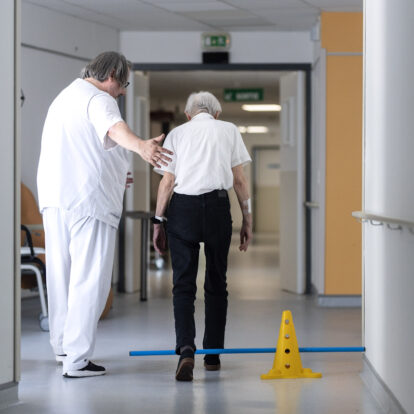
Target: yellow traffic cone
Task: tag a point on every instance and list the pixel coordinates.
(287, 363)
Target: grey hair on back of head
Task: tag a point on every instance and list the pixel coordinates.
(202, 102)
(107, 64)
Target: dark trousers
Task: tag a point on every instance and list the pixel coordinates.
(191, 220)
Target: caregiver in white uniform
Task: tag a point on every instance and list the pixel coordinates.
(81, 182)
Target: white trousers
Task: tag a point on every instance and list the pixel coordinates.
(79, 260)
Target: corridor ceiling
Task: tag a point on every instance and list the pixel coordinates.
(201, 15)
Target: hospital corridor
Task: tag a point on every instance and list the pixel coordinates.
(253, 154)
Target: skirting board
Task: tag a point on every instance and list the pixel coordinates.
(8, 395)
(340, 301)
(379, 389)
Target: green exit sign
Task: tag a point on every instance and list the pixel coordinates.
(243, 95)
(215, 41)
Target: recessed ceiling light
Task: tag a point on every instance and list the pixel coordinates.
(254, 129)
(262, 108)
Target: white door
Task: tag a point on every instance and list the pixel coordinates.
(292, 183)
(266, 190)
(137, 197)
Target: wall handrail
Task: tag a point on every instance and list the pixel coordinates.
(378, 220)
(311, 204)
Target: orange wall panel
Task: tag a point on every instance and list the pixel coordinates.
(343, 174)
(342, 32)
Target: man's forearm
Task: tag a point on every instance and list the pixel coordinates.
(242, 192)
(165, 190)
(245, 203)
(123, 136)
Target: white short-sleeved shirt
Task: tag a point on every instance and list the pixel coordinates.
(80, 168)
(205, 150)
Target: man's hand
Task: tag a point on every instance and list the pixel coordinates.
(245, 235)
(152, 152)
(164, 193)
(159, 239)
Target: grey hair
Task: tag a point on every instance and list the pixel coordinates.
(107, 64)
(202, 102)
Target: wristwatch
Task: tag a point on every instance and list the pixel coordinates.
(157, 220)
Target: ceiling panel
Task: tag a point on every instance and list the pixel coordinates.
(81, 11)
(290, 19)
(189, 2)
(190, 7)
(142, 16)
(224, 14)
(340, 5)
(268, 4)
(342, 8)
(227, 18)
(248, 28)
(200, 15)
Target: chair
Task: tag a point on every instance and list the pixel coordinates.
(31, 262)
(33, 250)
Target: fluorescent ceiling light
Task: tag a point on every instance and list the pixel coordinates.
(262, 108)
(257, 129)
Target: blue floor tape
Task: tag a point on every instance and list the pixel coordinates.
(250, 351)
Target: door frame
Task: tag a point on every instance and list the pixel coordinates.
(285, 67)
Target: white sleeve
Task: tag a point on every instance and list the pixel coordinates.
(103, 113)
(170, 168)
(239, 154)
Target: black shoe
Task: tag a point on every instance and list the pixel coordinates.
(212, 362)
(91, 370)
(185, 366)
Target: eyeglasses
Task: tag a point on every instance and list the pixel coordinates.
(125, 85)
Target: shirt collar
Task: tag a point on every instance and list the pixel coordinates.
(202, 115)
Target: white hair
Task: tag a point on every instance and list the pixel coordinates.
(202, 102)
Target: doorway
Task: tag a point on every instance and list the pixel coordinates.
(166, 100)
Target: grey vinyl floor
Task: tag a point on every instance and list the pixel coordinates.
(147, 384)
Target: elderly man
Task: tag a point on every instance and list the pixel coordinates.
(81, 181)
(208, 160)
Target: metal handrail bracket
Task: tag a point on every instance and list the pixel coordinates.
(377, 220)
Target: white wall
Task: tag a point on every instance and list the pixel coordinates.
(318, 169)
(388, 191)
(44, 28)
(66, 44)
(246, 47)
(9, 217)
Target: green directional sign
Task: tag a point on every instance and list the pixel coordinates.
(243, 95)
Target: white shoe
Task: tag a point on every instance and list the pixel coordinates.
(91, 370)
(60, 358)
